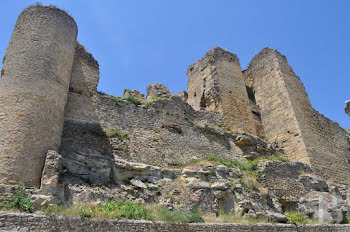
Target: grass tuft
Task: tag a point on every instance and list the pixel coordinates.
(125, 210)
(116, 133)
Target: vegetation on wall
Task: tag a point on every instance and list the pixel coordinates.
(19, 201)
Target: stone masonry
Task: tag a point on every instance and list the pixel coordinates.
(33, 91)
(215, 83)
(73, 144)
(28, 222)
(288, 118)
(83, 87)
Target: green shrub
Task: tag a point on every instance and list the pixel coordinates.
(177, 216)
(85, 212)
(115, 132)
(20, 200)
(157, 98)
(296, 217)
(134, 100)
(155, 139)
(270, 157)
(124, 209)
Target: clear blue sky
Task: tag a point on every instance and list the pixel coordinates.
(141, 42)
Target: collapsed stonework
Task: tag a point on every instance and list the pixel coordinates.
(59, 134)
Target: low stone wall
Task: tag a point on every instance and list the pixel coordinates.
(32, 222)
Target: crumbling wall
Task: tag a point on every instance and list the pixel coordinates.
(83, 87)
(169, 132)
(215, 83)
(33, 91)
(289, 118)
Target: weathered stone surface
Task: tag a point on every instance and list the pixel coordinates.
(215, 83)
(169, 132)
(283, 179)
(312, 182)
(33, 91)
(32, 222)
(138, 183)
(113, 148)
(156, 90)
(183, 95)
(289, 119)
(347, 107)
(51, 172)
(276, 217)
(134, 93)
(82, 87)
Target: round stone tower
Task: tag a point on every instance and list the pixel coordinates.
(33, 91)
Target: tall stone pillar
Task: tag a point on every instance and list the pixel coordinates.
(33, 91)
(216, 83)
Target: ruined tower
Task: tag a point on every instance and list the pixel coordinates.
(215, 83)
(83, 87)
(33, 91)
(288, 118)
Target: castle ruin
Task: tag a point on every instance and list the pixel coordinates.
(52, 118)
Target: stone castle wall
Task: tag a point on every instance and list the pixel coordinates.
(278, 117)
(30, 222)
(82, 87)
(289, 118)
(33, 91)
(167, 133)
(40, 98)
(215, 83)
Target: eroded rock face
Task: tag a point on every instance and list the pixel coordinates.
(157, 90)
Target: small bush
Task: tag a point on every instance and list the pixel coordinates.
(134, 100)
(157, 98)
(115, 132)
(177, 216)
(154, 139)
(296, 217)
(20, 200)
(124, 209)
(85, 212)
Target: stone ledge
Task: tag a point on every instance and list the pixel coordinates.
(33, 222)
